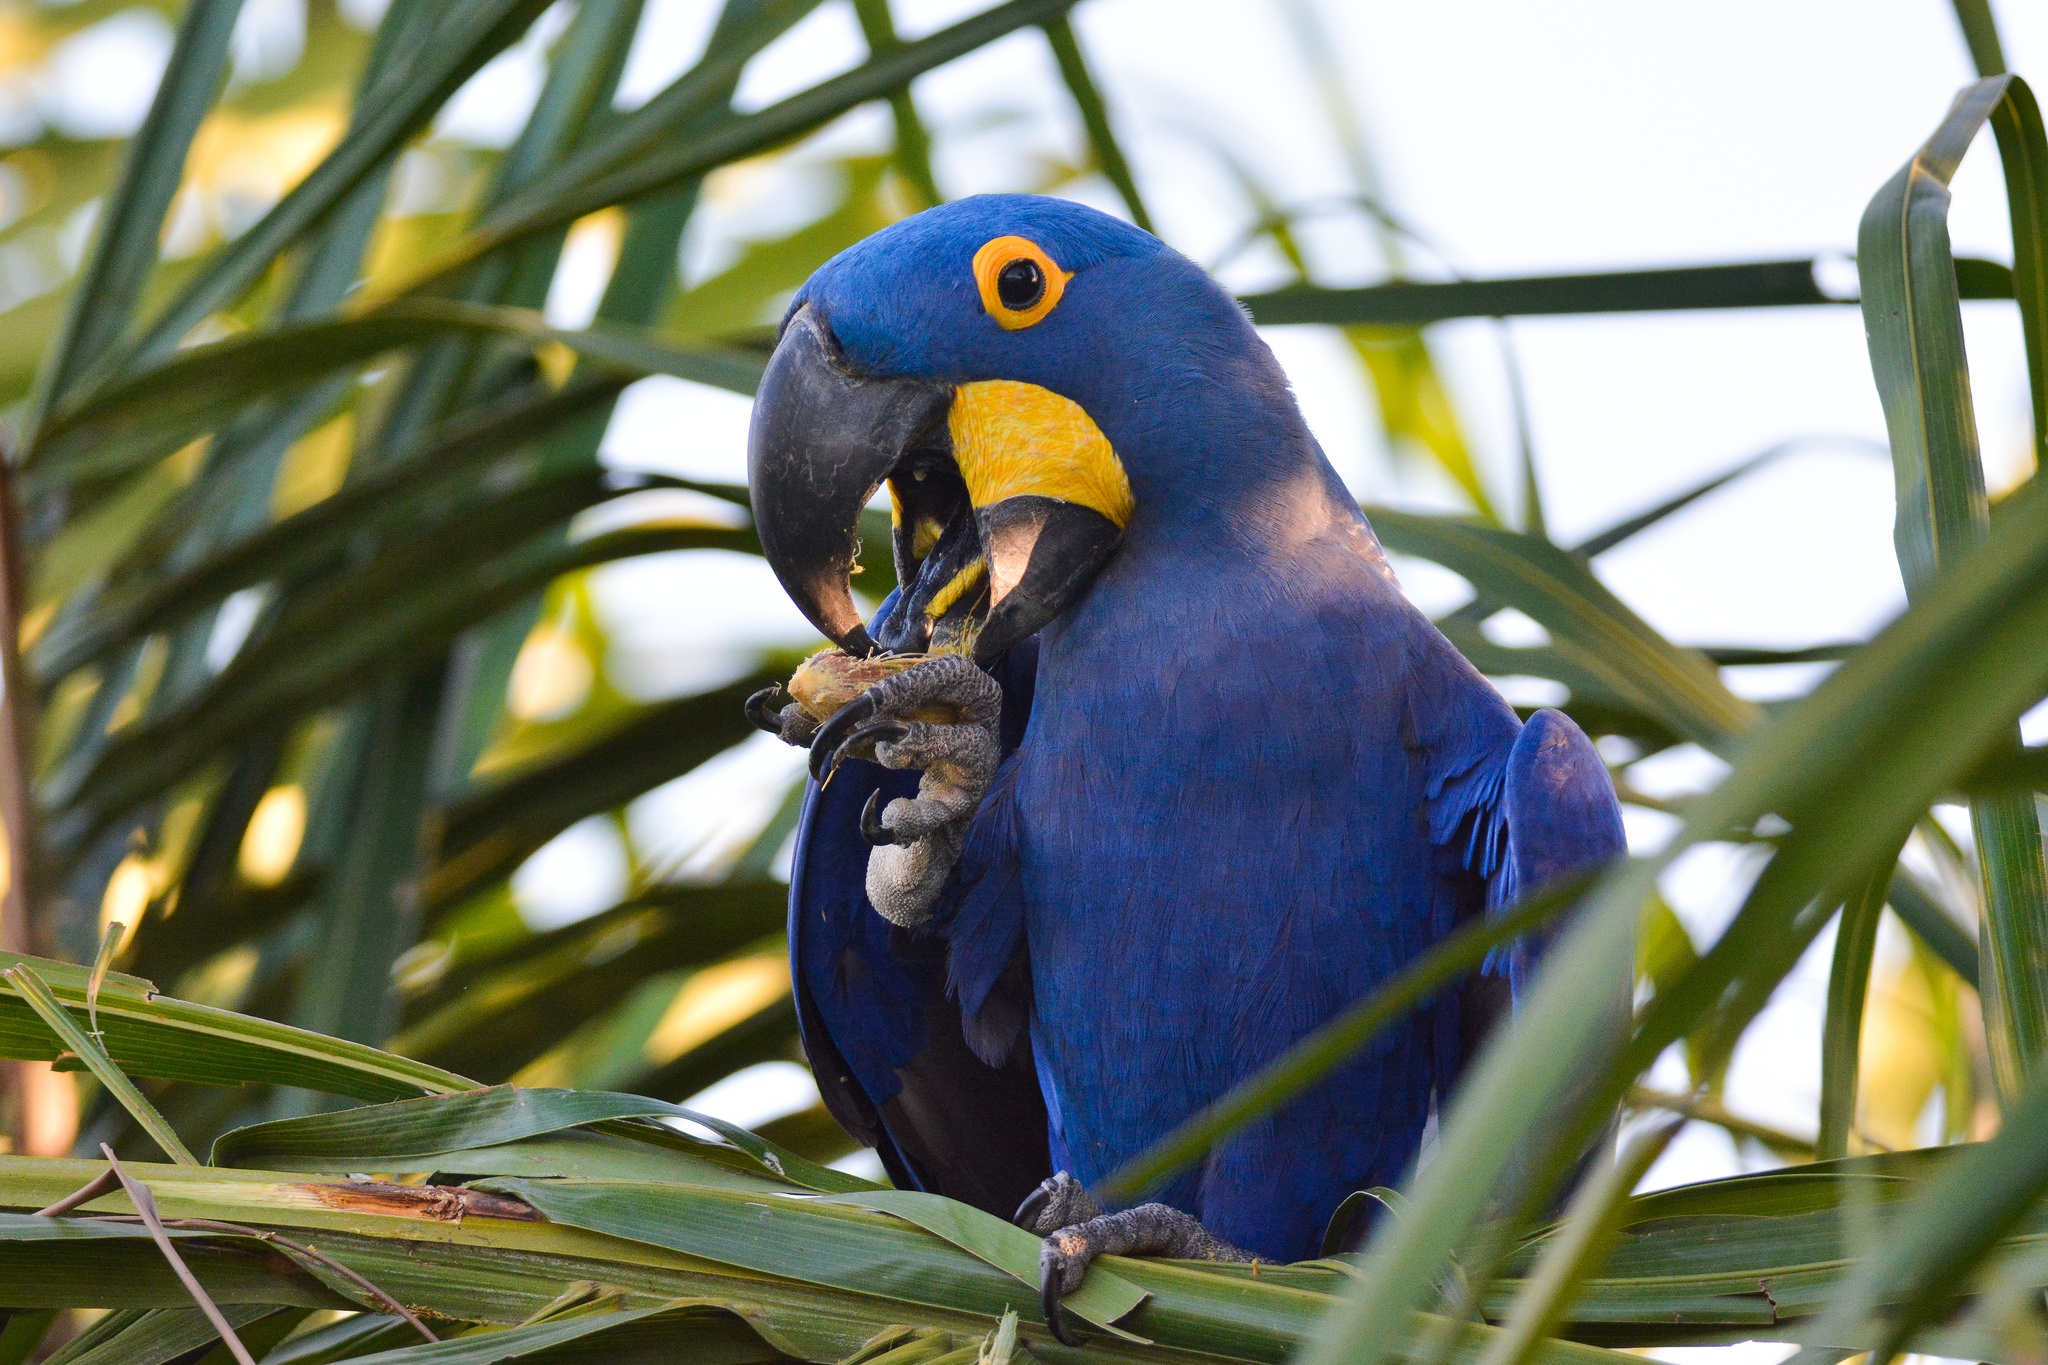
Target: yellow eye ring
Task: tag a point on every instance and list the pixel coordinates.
(1019, 283)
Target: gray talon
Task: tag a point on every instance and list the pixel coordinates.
(1059, 1202)
(866, 738)
(760, 716)
(830, 737)
(792, 724)
(871, 827)
(1051, 1277)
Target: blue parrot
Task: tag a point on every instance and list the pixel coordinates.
(1164, 771)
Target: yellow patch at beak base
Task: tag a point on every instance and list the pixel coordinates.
(1012, 439)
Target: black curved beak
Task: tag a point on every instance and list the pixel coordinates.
(821, 441)
(1041, 553)
(974, 576)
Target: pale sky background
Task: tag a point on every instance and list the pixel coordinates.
(1513, 138)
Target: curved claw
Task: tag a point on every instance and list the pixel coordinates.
(760, 715)
(871, 827)
(1026, 1216)
(833, 734)
(865, 739)
(881, 732)
(1049, 1303)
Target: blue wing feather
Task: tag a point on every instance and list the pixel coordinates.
(1522, 818)
(1558, 815)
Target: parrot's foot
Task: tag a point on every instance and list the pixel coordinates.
(940, 718)
(1076, 1231)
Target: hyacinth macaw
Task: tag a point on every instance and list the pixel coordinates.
(1181, 775)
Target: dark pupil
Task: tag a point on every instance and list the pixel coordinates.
(1020, 285)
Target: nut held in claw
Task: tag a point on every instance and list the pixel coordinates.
(831, 678)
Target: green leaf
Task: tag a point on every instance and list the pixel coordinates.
(1760, 1255)
(583, 77)
(1766, 284)
(814, 1242)
(1914, 322)
(389, 1136)
(366, 924)
(327, 647)
(395, 499)
(1980, 31)
(695, 1332)
(1683, 1248)
(738, 297)
(493, 1269)
(1664, 950)
(350, 1338)
(22, 1333)
(608, 1155)
(1630, 527)
(464, 37)
(29, 987)
(489, 1023)
(152, 1336)
(913, 143)
(152, 1035)
(1578, 1245)
(1842, 1026)
(1939, 1242)
(1932, 925)
(1415, 406)
(407, 1135)
(124, 251)
(116, 427)
(675, 113)
(546, 207)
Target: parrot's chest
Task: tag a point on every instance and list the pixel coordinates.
(1223, 843)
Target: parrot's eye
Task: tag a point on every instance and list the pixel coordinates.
(1019, 282)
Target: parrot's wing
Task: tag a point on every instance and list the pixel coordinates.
(1558, 816)
(1513, 818)
(883, 1032)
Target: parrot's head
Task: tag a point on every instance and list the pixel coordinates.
(1024, 374)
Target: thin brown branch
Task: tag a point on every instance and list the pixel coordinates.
(106, 1182)
(1707, 1111)
(17, 728)
(145, 1206)
(17, 804)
